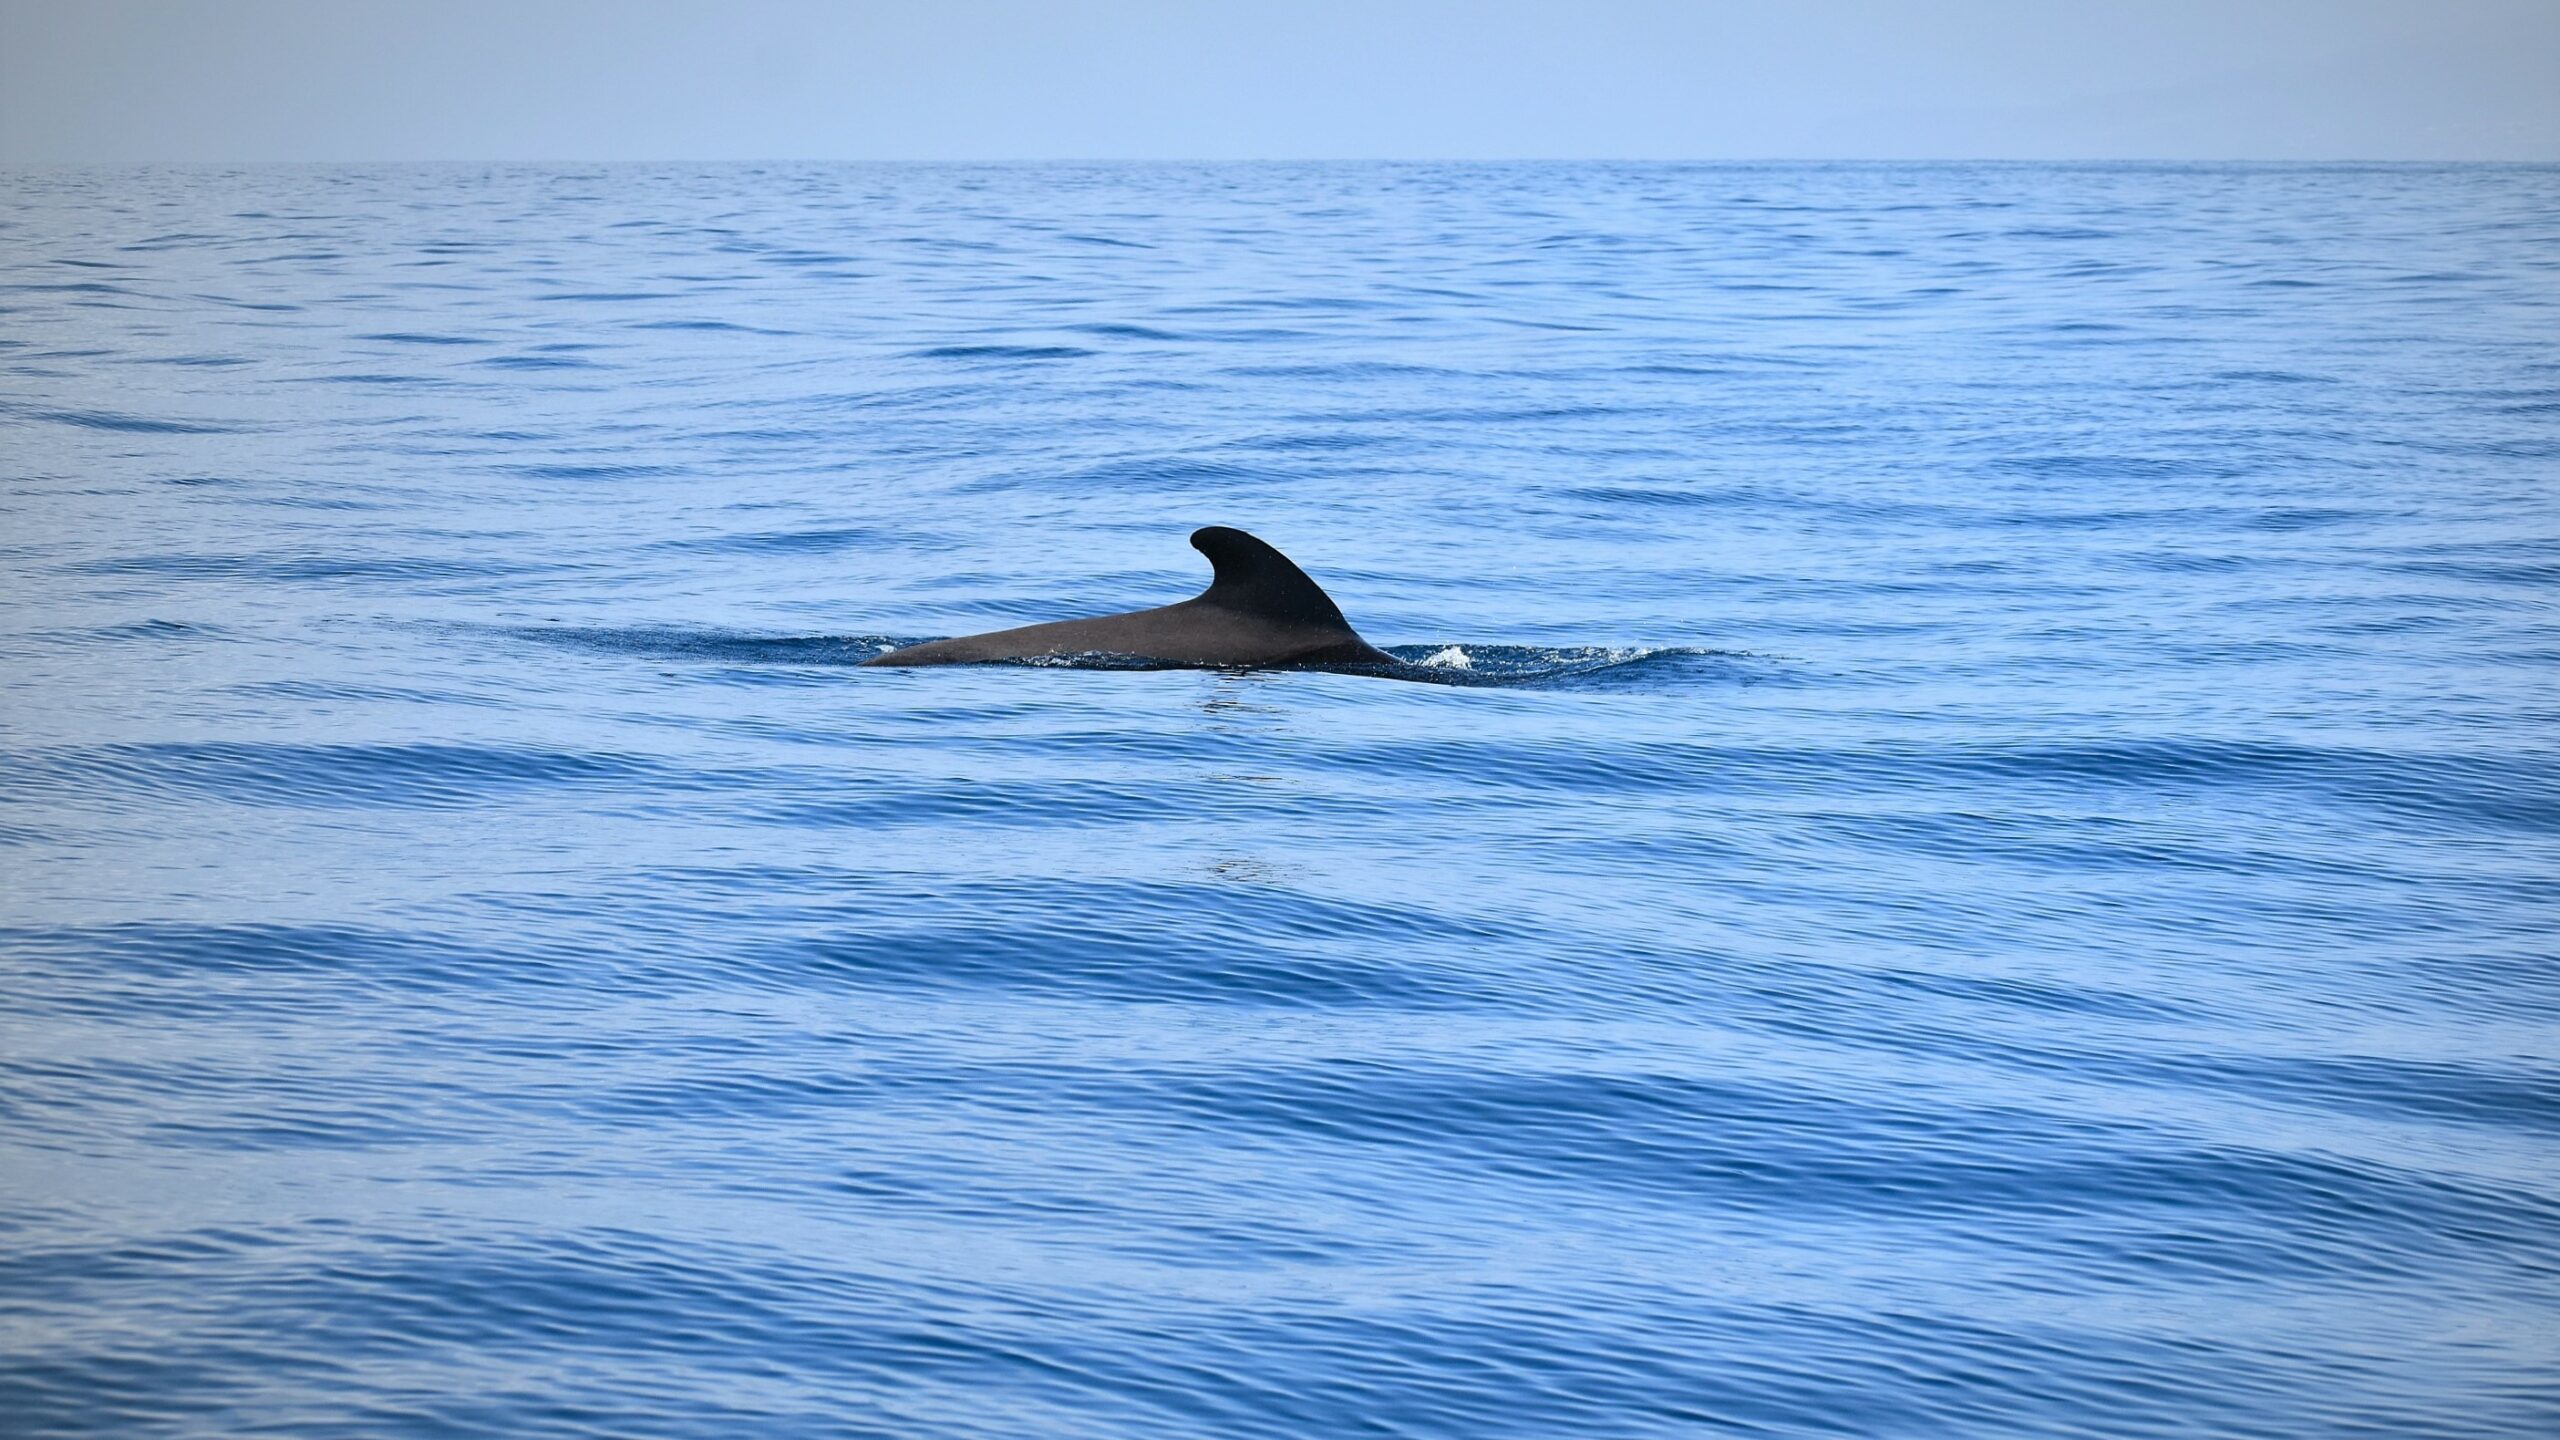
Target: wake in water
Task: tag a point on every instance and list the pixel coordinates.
(1483, 666)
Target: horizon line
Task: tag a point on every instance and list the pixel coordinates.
(1020, 160)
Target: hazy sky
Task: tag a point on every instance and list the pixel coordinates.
(1024, 79)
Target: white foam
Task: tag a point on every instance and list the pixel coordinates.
(1452, 658)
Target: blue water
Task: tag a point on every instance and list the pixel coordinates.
(1995, 870)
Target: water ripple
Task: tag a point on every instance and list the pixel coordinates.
(1967, 852)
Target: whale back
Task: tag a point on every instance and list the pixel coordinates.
(1253, 579)
(1259, 609)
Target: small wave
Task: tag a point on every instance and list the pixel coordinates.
(292, 568)
(1126, 332)
(262, 306)
(1519, 666)
(704, 325)
(712, 646)
(585, 472)
(72, 287)
(414, 776)
(159, 630)
(371, 377)
(538, 362)
(1002, 352)
(819, 542)
(806, 258)
(132, 424)
(1171, 474)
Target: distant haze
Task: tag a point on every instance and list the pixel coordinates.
(85, 80)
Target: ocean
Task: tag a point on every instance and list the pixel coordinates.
(1969, 844)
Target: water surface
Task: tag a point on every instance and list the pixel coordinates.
(1993, 873)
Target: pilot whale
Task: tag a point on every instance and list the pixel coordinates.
(1259, 609)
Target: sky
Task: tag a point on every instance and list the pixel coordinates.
(338, 80)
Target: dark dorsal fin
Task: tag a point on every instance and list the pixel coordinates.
(1254, 579)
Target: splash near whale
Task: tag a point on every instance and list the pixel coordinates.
(1260, 610)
